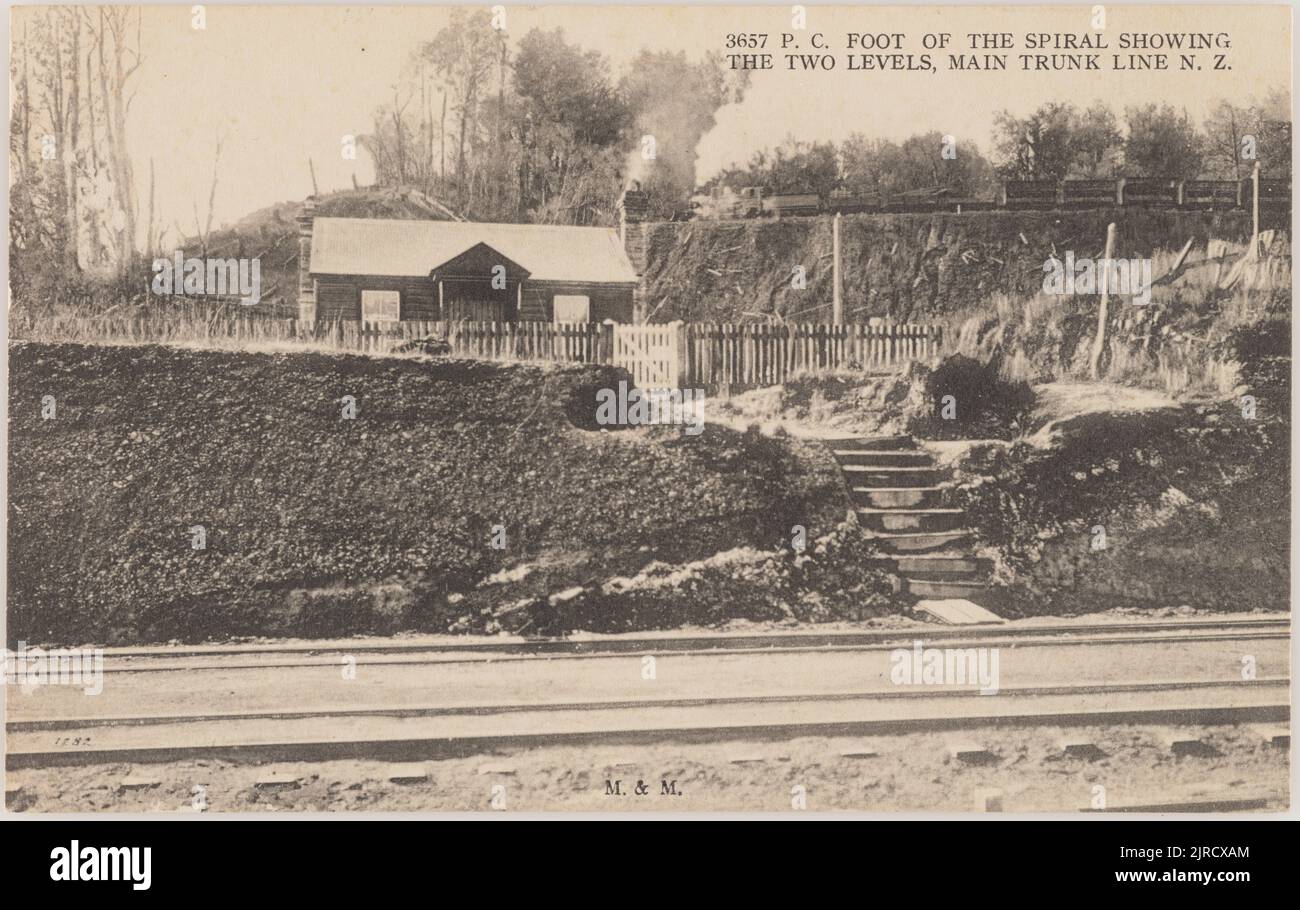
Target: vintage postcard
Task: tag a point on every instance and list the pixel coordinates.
(674, 409)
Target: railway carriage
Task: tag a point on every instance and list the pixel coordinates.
(1148, 192)
(1123, 192)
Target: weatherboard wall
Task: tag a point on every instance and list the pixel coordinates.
(608, 301)
(339, 297)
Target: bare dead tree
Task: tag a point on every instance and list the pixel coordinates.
(51, 59)
(54, 101)
(1103, 310)
(204, 229)
(23, 112)
(92, 162)
(117, 62)
(212, 193)
(399, 131)
(148, 233)
(74, 139)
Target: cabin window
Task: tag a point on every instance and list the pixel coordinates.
(572, 308)
(381, 306)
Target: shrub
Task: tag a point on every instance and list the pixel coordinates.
(1263, 350)
(985, 405)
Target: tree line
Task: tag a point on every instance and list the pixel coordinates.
(73, 202)
(545, 132)
(1057, 141)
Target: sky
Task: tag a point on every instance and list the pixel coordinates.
(284, 84)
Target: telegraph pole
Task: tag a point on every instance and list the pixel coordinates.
(1254, 213)
(837, 298)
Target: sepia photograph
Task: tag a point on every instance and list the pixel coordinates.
(679, 411)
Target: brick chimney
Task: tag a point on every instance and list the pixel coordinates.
(632, 211)
(306, 287)
(634, 233)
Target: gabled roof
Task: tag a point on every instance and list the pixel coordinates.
(478, 262)
(408, 249)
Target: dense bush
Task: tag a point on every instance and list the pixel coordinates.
(1263, 350)
(983, 404)
(1255, 342)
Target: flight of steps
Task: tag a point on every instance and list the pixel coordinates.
(896, 492)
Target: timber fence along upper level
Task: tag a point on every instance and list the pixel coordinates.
(716, 356)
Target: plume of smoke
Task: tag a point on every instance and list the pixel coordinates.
(676, 102)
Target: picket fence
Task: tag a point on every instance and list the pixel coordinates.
(682, 355)
(755, 355)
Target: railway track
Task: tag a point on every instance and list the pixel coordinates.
(433, 731)
(138, 659)
(424, 699)
(414, 656)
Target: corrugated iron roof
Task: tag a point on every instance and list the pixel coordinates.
(375, 246)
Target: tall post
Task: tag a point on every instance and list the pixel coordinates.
(1099, 342)
(306, 284)
(1254, 212)
(837, 298)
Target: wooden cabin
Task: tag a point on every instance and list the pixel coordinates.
(383, 270)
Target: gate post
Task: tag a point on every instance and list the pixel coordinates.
(680, 354)
(605, 342)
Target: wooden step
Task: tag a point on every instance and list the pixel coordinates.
(884, 457)
(898, 472)
(918, 541)
(910, 519)
(941, 566)
(947, 589)
(886, 476)
(892, 443)
(941, 562)
(896, 497)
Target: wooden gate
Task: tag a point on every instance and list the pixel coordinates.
(653, 354)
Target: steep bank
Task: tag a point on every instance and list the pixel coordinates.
(1137, 503)
(318, 525)
(911, 268)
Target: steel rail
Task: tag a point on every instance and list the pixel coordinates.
(741, 643)
(480, 727)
